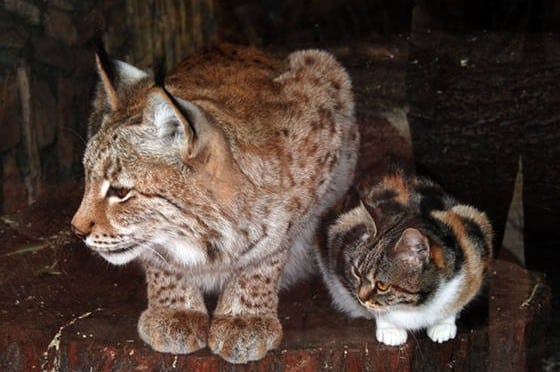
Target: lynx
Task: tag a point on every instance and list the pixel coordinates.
(214, 181)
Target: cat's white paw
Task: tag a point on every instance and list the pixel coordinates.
(391, 336)
(442, 332)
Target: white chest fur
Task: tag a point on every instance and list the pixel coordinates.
(441, 306)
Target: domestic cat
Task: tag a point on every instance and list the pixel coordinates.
(407, 254)
(215, 183)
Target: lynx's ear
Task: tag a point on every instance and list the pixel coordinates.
(413, 248)
(115, 79)
(115, 75)
(178, 122)
(185, 130)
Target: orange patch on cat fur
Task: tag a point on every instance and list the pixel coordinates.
(397, 183)
(480, 219)
(436, 256)
(474, 267)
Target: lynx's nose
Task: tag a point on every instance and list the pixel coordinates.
(81, 224)
(79, 234)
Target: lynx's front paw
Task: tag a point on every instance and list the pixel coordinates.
(243, 339)
(391, 336)
(173, 331)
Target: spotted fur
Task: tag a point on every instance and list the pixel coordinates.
(408, 255)
(216, 182)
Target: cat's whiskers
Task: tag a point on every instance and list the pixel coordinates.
(75, 134)
(417, 343)
(147, 245)
(158, 254)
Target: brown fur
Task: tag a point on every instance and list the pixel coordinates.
(216, 183)
(397, 184)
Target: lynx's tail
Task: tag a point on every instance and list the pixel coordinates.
(318, 74)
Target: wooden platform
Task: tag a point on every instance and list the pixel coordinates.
(64, 309)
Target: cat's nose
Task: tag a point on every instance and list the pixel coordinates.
(364, 294)
(79, 234)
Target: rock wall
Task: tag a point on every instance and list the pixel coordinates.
(47, 76)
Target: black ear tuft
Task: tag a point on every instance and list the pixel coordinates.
(160, 72)
(104, 60)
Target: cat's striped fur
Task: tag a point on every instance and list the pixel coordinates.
(408, 255)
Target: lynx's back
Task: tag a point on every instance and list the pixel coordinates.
(293, 110)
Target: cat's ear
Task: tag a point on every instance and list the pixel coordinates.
(352, 226)
(413, 248)
(115, 77)
(366, 218)
(178, 123)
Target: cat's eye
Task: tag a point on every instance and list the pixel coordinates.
(118, 192)
(382, 287)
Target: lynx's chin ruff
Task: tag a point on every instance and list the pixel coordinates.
(215, 182)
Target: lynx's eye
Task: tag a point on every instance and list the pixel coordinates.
(382, 287)
(118, 192)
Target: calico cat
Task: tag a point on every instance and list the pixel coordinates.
(408, 255)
